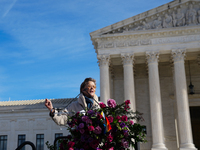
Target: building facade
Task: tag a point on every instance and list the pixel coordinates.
(152, 59)
(28, 121)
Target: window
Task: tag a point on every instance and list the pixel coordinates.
(3, 142)
(21, 139)
(58, 135)
(40, 142)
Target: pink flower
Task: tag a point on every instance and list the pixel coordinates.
(125, 143)
(131, 122)
(111, 103)
(98, 130)
(112, 148)
(102, 105)
(71, 148)
(70, 144)
(109, 138)
(91, 128)
(124, 118)
(127, 102)
(110, 119)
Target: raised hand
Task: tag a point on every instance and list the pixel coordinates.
(48, 104)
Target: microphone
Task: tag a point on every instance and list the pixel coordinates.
(59, 109)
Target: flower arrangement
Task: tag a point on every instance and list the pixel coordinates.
(106, 128)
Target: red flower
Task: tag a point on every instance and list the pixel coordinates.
(102, 105)
(109, 138)
(91, 128)
(70, 144)
(127, 102)
(118, 117)
(110, 119)
(77, 114)
(124, 118)
(99, 116)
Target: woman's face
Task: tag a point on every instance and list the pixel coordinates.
(89, 89)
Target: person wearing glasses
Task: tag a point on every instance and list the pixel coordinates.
(86, 100)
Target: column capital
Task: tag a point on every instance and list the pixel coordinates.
(152, 57)
(103, 60)
(178, 54)
(127, 58)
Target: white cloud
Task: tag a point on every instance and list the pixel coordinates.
(9, 8)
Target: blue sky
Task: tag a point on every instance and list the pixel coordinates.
(45, 46)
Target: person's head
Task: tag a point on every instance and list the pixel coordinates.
(88, 87)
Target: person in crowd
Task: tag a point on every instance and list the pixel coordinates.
(86, 100)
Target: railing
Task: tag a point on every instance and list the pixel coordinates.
(26, 143)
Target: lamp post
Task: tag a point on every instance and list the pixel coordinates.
(191, 87)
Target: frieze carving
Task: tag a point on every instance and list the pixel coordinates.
(103, 60)
(145, 42)
(134, 43)
(178, 55)
(167, 21)
(152, 57)
(180, 18)
(176, 39)
(109, 45)
(120, 44)
(157, 24)
(100, 45)
(191, 15)
(127, 59)
(177, 17)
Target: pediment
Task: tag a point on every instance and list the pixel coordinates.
(178, 13)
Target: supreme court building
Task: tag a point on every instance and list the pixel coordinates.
(153, 59)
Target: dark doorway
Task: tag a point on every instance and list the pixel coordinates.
(195, 122)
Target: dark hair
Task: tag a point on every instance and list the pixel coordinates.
(83, 84)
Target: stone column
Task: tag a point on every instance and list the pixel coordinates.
(129, 88)
(184, 123)
(155, 102)
(104, 77)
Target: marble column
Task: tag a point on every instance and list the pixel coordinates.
(104, 77)
(184, 123)
(155, 102)
(129, 88)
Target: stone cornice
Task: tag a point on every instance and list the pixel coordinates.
(178, 34)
